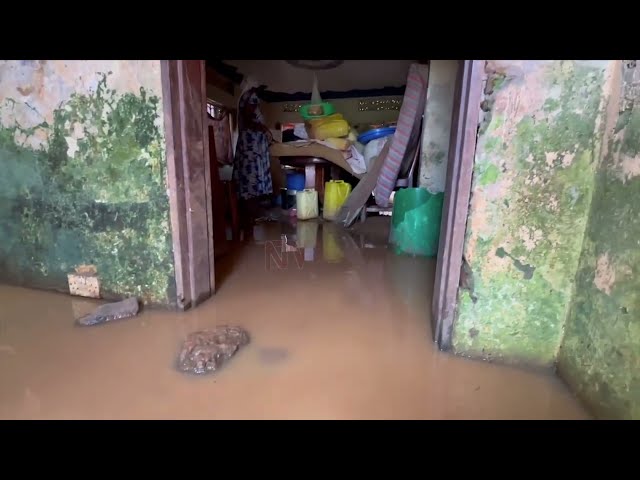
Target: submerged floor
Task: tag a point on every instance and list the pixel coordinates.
(339, 331)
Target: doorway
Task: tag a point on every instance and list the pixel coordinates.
(193, 198)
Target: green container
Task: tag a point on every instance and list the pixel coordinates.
(415, 224)
(328, 108)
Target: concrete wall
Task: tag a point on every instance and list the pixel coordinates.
(600, 354)
(553, 234)
(539, 143)
(437, 124)
(348, 107)
(83, 182)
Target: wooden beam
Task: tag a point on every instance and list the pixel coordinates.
(219, 81)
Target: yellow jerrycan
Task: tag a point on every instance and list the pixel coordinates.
(335, 194)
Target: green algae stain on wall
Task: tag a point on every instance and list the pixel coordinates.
(91, 191)
(487, 174)
(533, 179)
(600, 354)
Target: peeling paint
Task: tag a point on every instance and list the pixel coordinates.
(567, 159)
(605, 275)
(530, 238)
(550, 158)
(629, 167)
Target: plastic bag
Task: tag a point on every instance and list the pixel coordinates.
(373, 149)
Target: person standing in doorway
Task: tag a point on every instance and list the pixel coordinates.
(252, 166)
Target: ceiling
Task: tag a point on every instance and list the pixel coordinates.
(279, 76)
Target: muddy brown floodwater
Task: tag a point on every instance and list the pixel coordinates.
(341, 333)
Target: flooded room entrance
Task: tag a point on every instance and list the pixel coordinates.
(337, 315)
(341, 323)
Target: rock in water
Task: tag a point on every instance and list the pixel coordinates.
(206, 351)
(111, 311)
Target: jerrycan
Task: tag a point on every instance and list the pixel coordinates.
(335, 194)
(307, 204)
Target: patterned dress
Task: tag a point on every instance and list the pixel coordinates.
(252, 167)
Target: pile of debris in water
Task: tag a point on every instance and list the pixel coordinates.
(207, 350)
(202, 352)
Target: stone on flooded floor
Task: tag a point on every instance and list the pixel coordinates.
(111, 311)
(206, 351)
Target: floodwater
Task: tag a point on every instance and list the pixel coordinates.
(339, 331)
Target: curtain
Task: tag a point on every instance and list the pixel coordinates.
(220, 120)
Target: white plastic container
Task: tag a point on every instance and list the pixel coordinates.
(307, 204)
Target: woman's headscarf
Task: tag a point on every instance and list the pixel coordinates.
(247, 84)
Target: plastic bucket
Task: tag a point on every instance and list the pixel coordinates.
(415, 224)
(295, 181)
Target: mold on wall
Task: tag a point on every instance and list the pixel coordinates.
(83, 179)
(539, 142)
(600, 354)
(437, 124)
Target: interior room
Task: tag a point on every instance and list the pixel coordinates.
(309, 153)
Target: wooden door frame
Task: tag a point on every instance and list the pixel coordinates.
(189, 179)
(462, 149)
(190, 195)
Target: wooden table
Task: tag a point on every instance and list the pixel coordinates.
(314, 171)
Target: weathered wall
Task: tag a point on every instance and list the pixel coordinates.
(437, 124)
(82, 156)
(348, 107)
(600, 354)
(538, 144)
